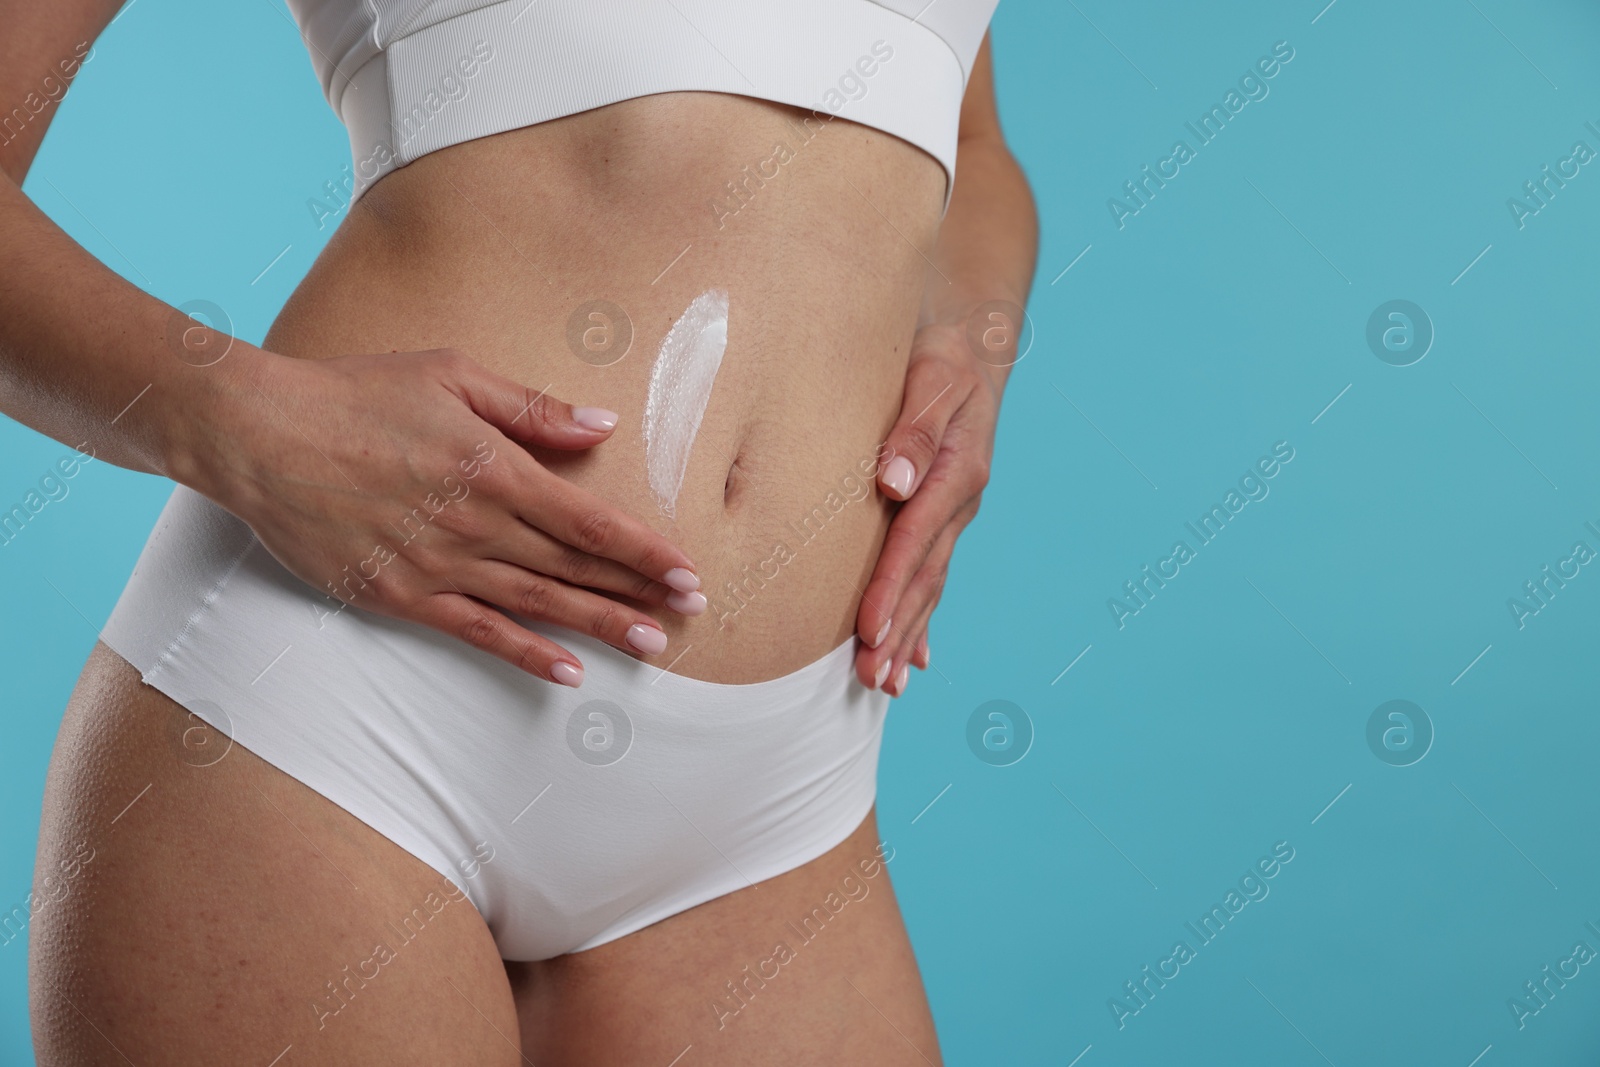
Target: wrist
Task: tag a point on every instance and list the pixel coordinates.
(212, 417)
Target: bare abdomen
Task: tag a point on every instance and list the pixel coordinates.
(540, 251)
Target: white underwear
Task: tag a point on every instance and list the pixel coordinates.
(569, 817)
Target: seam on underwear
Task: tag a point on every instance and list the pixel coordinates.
(194, 617)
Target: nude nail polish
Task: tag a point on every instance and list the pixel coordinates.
(899, 475)
(594, 418)
(884, 632)
(646, 639)
(883, 672)
(686, 603)
(567, 674)
(901, 679)
(682, 579)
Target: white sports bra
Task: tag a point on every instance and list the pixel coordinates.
(409, 77)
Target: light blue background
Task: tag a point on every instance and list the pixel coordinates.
(1231, 711)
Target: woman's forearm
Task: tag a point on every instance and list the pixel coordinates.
(988, 243)
(91, 360)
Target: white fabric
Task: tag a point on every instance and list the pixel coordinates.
(378, 61)
(455, 755)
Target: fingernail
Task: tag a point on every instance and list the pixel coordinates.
(567, 674)
(883, 672)
(901, 679)
(646, 639)
(876, 641)
(923, 645)
(594, 418)
(682, 579)
(686, 603)
(898, 475)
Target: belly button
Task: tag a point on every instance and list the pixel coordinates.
(733, 486)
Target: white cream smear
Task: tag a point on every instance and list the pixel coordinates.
(680, 388)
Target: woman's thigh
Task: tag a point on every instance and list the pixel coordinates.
(810, 967)
(191, 909)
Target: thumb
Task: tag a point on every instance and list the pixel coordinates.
(533, 416)
(914, 441)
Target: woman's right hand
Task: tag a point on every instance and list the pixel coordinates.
(396, 483)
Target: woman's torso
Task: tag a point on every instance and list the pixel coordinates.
(817, 229)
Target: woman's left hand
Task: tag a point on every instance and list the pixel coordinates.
(939, 452)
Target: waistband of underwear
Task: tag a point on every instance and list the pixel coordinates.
(833, 667)
(198, 552)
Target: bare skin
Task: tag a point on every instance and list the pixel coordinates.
(823, 302)
(221, 900)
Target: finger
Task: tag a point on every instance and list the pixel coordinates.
(877, 667)
(932, 395)
(922, 657)
(578, 518)
(484, 628)
(872, 667)
(524, 546)
(912, 534)
(916, 607)
(529, 415)
(915, 648)
(914, 653)
(546, 599)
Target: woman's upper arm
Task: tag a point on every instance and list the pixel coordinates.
(43, 44)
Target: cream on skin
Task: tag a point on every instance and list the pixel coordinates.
(680, 387)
